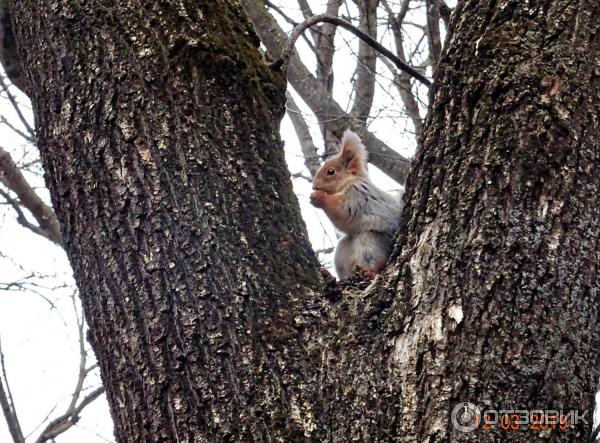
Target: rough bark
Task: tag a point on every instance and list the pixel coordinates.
(158, 130)
(498, 274)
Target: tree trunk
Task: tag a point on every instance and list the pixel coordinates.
(158, 131)
(497, 277)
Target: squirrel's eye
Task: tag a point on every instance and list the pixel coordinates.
(330, 171)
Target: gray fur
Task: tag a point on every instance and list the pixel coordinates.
(373, 217)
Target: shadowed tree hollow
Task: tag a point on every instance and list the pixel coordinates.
(158, 130)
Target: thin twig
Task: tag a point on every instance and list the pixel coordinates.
(34, 430)
(595, 434)
(82, 356)
(8, 405)
(16, 130)
(21, 219)
(325, 251)
(70, 418)
(298, 30)
(306, 142)
(16, 107)
(292, 22)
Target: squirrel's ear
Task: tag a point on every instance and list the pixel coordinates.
(353, 153)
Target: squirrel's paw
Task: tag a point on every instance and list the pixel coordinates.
(317, 198)
(365, 273)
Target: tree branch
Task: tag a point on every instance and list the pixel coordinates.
(402, 78)
(290, 21)
(283, 60)
(320, 101)
(324, 38)
(21, 218)
(433, 31)
(364, 84)
(13, 179)
(445, 12)
(68, 419)
(71, 416)
(8, 406)
(15, 105)
(309, 150)
(305, 8)
(16, 130)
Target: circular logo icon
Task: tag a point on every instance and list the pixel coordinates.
(465, 417)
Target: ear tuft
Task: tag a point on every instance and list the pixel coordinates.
(353, 151)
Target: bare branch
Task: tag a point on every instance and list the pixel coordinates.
(324, 38)
(364, 84)
(13, 179)
(290, 21)
(16, 107)
(397, 18)
(402, 84)
(21, 219)
(283, 60)
(279, 11)
(27, 138)
(83, 371)
(69, 419)
(402, 80)
(305, 8)
(8, 406)
(324, 41)
(74, 409)
(325, 250)
(309, 150)
(320, 101)
(433, 31)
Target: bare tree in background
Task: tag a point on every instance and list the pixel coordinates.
(201, 291)
(317, 90)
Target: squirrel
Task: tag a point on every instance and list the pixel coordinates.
(367, 215)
